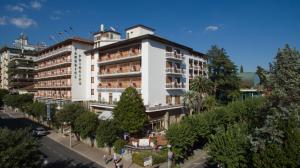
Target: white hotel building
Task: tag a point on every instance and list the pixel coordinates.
(161, 70)
(60, 72)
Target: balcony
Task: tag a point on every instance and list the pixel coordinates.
(175, 85)
(175, 71)
(51, 86)
(120, 59)
(197, 68)
(174, 56)
(53, 53)
(115, 89)
(118, 73)
(60, 63)
(55, 75)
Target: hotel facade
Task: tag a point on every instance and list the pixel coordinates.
(160, 70)
(60, 72)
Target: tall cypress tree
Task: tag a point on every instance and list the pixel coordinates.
(223, 73)
(241, 69)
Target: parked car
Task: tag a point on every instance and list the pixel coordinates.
(39, 131)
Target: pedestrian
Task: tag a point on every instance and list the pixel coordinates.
(105, 159)
(115, 159)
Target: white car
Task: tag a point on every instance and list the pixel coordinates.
(40, 131)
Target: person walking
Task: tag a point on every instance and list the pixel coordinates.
(105, 158)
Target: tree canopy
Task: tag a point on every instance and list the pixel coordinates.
(19, 149)
(130, 112)
(223, 73)
(69, 113)
(86, 124)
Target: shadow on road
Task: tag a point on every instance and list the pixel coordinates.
(68, 164)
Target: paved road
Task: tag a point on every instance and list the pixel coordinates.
(57, 155)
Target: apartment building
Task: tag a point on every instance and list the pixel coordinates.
(61, 72)
(17, 67)
(161, 71)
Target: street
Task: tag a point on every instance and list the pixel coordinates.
(56, 155)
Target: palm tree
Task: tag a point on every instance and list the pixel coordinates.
(201, 87)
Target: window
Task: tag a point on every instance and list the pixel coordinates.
(92, 79)
(169, 49)
(177, 100)
(92, 55)
(92, 91)
(92, 67)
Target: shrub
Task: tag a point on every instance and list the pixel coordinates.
(158, 157)
(119, 145)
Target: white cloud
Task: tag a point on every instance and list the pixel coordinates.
(2, 20)
(14, 8)
(55, 17)
(212, 28)
(58, 14)
(36, 5)
(23, 22)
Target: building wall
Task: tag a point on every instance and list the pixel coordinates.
(79, 69)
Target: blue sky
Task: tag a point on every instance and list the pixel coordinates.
(250, 31)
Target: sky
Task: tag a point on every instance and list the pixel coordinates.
(251, 31)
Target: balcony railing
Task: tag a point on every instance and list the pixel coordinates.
(51, 96)
(57, 74)
(120, 73)
(116, 89)
(197, 68)
(55, 52)
(50, 85)
(175, 85)
(179, 71)
(174, 55)
(130, 56)
(68, 61)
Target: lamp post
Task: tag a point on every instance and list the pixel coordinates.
(69, 123)
(170, 156)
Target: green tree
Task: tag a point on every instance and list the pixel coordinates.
(262, 74)
(69, 113)
(3, 92)
(182, 138)
(241, 69)
(200, 88)
(130, 112)
(230, 147)
(39, 110)
(223, 73)
(86, 125)
(107, 133)
(19, 149)
(282, 110)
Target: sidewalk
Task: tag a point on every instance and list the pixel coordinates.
(87, 151)
(94, 154)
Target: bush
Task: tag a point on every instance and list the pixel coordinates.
(158, 157)
(119, 145)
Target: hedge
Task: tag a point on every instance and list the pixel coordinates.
(158, 157)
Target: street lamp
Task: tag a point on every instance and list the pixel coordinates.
(69, 123)
(170, 156)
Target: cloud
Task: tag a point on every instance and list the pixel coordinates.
(55, 17)
(23, 22)
(2, 20)
(58, 14)
(14, 8)
(212, 28)
(36, 5)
